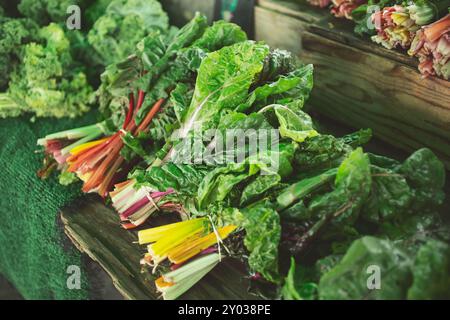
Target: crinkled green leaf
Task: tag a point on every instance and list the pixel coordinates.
(350, 277)
(431, 272)
(223, 81)
(263, 232)
(115, 34)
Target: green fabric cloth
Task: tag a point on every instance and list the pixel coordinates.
(34, 254)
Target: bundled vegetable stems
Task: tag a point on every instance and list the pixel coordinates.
(397, 24)
(344, 8)
(432, 46)
(156, 65)
(125, 198)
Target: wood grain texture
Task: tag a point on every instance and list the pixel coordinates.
(94, 229)
(362, 84)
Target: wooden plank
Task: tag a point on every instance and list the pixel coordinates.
(362, 84)
(94, 229)
(268, 27)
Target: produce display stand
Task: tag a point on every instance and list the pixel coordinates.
(383, 91)
(358, 82)
(94, 229)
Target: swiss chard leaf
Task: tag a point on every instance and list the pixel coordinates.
(263, 232)
(296, 285)
(431, 272)
(223, 81)
(349, 279)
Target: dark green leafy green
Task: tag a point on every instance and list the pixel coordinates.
(262, 226)
(182, 178)
(296, 287)
(45, 11)
(350, 278)
(431, 272)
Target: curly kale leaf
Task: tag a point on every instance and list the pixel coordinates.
(45, 11)
(115, 34)
(47, 82)
(14, 33)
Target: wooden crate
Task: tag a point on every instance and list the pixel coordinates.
(359, 83)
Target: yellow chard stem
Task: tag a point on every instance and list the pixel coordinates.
(155, 234)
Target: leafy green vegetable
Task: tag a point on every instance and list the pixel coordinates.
(47, 82)
(288, 82)
(257, 187)
(182, 178)
(125, 22)
(326, 151)
(223, 81)
(96, 10)
(296, 286)
(351, 188)
(220, 34)
(389, 197)
(45, 11)
(349, 279)
(263, 231)
(13, 34)
(426, 175)
(218, 183)
(431, 272)
(295, 125)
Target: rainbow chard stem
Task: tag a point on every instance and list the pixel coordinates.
(60, 144)
(74, 134)
(422, 13)
(136, 206)
(181, 241)
(175, 283)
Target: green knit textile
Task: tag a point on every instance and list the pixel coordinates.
(34, 254)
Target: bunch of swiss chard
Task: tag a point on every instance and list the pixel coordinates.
(143, 96)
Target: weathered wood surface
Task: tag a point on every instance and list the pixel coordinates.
(94, 229)
(358, 82)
